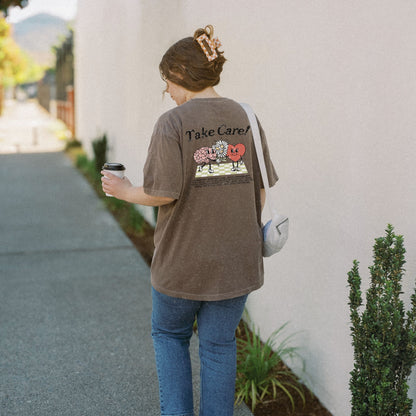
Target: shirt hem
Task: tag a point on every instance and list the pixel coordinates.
(213, 297)
(273, 182)
(156, 192)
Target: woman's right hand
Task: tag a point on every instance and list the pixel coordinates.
(115, 186)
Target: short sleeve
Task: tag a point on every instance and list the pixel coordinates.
(163, 167)
(271, 172)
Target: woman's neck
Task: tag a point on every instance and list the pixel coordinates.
(206, 93)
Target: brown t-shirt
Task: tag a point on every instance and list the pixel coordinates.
(208, 242)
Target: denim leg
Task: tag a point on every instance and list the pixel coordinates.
(172, 321)
(217, 322)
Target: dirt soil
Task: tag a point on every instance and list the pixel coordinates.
(281, 406)
(143, 242)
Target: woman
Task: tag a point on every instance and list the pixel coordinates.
(202, 171)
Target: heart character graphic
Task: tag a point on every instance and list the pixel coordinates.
(235, 153)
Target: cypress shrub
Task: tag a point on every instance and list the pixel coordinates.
(383, 334)
(99, 146)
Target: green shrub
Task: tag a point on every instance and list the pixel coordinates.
(136, 219)
(114, 204)
(88, 168)
(82, 161)
(72, 143)
(383, 337)
(99, 146)
(129, 217)
(261, 371)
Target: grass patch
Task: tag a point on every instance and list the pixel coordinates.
(261, 370)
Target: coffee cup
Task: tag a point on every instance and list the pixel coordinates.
(116, 169)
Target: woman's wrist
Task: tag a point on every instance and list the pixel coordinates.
(129, 194)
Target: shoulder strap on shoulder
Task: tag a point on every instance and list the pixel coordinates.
(259, 150)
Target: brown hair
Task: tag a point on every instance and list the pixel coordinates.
(186, 64)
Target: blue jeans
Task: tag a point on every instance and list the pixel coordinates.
(172, 328)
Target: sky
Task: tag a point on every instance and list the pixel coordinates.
(62, 8)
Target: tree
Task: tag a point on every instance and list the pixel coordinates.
(16, 67)
(384, 336)
(5, 4)
(19, 67)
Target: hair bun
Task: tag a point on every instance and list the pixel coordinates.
(193, 63)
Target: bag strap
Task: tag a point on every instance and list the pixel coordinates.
(259, 150)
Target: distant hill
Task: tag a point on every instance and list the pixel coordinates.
(37, 34)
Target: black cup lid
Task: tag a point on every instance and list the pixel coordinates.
(113, 166)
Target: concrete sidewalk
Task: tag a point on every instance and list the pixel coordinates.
(75, 296)
(27, 127)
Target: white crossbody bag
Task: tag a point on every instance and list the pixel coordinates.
(276, 231)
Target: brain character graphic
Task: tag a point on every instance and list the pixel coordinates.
(203, 156)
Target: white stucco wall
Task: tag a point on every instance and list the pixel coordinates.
(334, 85)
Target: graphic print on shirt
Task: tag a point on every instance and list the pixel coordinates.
(221, 159)
(203, 156)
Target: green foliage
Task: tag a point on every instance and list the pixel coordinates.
(99, 146)
(64, 42)
(16, 67)
(72, 144)
(129, 217)
(87, 167)
(384, 337)
(261, 371)
(5, 4)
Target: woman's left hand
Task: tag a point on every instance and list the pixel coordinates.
(115, 186)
